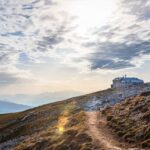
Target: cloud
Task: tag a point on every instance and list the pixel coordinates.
(48, 42)
(28, 32)
(14, 76)
(31, 23)
(141, 9)
(36, 29)
(6, 78)
(117, 55)
(124, 39)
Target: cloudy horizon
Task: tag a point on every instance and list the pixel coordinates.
(72, 45)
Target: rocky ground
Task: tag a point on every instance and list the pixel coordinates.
(131, 119)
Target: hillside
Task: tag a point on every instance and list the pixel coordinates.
(54, 126)
(131, 119)
(62, 125)
(9, 107)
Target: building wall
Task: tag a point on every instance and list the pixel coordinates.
(118, 83)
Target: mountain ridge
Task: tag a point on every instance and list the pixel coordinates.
(10, 107)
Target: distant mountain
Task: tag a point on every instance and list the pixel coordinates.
(40, 99)
(9, 107)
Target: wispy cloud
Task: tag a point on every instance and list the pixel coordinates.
(38, 29)
(31, 30)
(123, 39)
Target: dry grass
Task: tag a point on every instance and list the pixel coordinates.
(58, 126)
(131, 119)
(69, 132)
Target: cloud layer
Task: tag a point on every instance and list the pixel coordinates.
(39, 29)
(124, 39)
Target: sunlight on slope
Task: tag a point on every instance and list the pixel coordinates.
(61, 124)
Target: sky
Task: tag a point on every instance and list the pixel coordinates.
(71, 46)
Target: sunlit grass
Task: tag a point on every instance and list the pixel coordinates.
(63, 120)
(61, 129)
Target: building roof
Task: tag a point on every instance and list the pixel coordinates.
(128, 80)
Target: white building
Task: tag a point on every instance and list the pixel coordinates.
(126, 82)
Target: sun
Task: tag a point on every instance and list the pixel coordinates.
(91, 13)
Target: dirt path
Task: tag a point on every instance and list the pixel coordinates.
(102, 135)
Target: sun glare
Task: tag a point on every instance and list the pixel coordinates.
(91, 13)
(61, 123)
(61, 129)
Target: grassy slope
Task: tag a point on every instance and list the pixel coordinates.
(8, 119)
(60, 125)
(131, 119)
(65, 130)
(56, 126)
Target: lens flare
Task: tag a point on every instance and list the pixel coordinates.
(63, 119)
(61, 123)
(61, 129)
